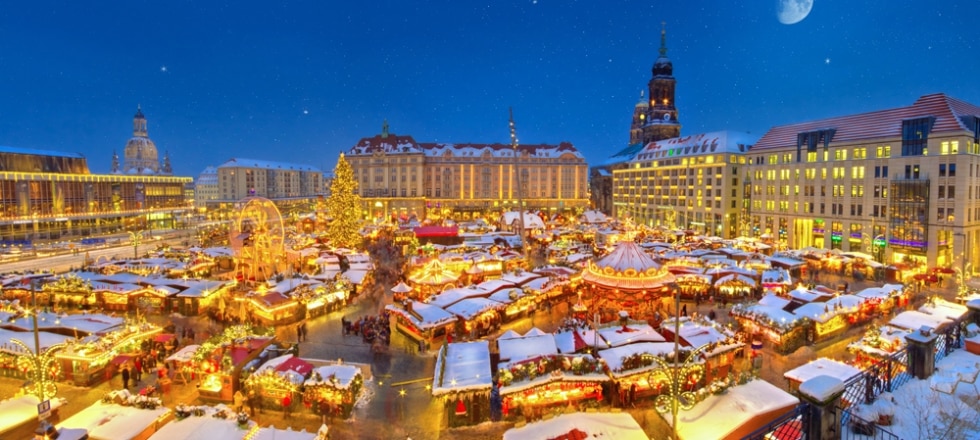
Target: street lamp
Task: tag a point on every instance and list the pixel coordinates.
(676, 398)
(136, 239)
(39, 366)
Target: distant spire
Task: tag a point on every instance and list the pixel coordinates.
(384, 130)
(663, 38)
(513, 130)
(115, 162)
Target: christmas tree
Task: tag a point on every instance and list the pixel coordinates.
(344, 207)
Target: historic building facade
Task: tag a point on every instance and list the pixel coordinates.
(690, 183)
(65, 200)
(900, 184)
(399, 178)
(652, 120)
(292, 187)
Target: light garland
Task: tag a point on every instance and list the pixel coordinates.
(40, 368)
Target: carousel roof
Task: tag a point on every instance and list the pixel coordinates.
(627, 267)
(434, 273)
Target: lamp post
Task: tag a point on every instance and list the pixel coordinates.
(39, 366)
(517, 179)
(676, 398)
(136, 239)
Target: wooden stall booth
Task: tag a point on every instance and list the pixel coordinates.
(221, 359)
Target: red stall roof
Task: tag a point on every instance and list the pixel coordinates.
(436, 231)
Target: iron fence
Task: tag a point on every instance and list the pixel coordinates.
(859, 429)
(789, 426)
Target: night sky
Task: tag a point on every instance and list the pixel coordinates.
(301, 81)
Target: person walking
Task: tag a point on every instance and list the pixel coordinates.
(286, 402)
(251, 402)
(239, 401)
(125, 376)
(325, 410)
(137, 369)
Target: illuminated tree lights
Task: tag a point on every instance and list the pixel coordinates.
(344, 207)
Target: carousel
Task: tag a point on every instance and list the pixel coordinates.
(626, 278)
(432, 278)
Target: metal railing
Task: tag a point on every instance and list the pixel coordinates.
(791, 425)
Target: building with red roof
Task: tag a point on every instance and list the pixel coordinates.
(901, 184)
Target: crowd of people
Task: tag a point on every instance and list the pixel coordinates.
(369, 328)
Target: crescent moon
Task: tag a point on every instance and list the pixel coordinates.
(793, 11)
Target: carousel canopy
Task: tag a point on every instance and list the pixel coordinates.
(627, 267)
(401, 288)
(434, 274)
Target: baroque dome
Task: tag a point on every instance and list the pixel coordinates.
(140, 155)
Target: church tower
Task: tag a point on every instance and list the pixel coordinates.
(639, 119)
(662, 121)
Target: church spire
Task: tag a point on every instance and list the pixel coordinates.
(384, 130)
(139, 123)
(663, 38)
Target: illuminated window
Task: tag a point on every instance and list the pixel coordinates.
(840, 154)
(883, 151)
(857, 172)
(811, 156)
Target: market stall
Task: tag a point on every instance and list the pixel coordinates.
(462, 378)
(339, 385)
(120, 416)
(421, 322)
(222, 357)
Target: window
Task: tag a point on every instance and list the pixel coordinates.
(952, 170)
(915, 136)
(942, 191)
(942, 170)
(883, 151)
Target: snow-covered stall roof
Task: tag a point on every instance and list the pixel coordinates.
(199, 428)
(915, 320)
(508, 295)
(111, 421)
(722, 415)
(356, 276)
(273, 433)
(424, 316)
(471, 307)
(616, 336)
(697, 334)
(295, 371)
(463, 366)
(524, 347)
(805, 295)
(620, 426)
(774, 301)
(46, 340)
(19, 410)
(344, 374)
(452, 296)
(518, 279)
(614, 356)
(941, 307)
(495, 285)
(822, 367)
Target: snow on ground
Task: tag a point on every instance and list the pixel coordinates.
(943, 406)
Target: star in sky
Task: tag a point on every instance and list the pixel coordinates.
(826, 60)
(163, 69)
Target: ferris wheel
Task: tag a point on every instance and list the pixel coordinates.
(257, 239)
